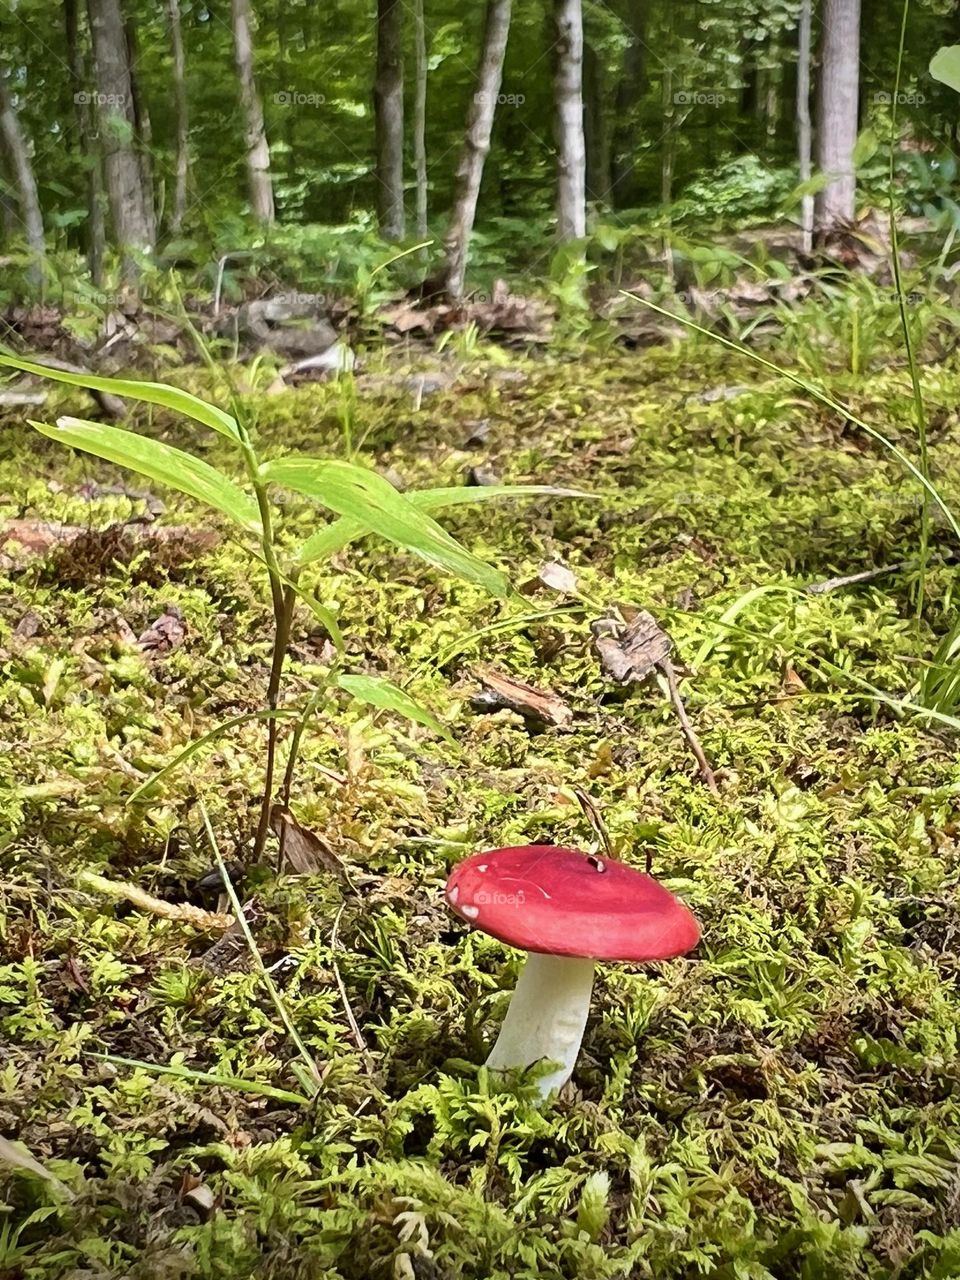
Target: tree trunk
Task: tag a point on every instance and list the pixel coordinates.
(181, 116)
(259, 182)
(420, 118)
(568, 99)
(130, 212)
(388, 110)
(595, 126)
(804, 133)
(476, 143)
(141, 118)
(837, 113)
(94, 228)
(18, 151)
(629, 93)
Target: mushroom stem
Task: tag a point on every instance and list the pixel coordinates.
(546, 1018)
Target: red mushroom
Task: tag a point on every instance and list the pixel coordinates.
(566, 909)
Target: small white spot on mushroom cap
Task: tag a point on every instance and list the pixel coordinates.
(453, 894)
(484, 866)
(470, 912)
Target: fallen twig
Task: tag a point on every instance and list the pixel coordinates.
(120, 891)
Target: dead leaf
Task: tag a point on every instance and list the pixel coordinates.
(304, 852)
(628, 654)
(230, 954)
(542, 706)
(165, 634)
(791, 684)
(558, 577)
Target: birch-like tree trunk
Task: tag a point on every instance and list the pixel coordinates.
(130, 210)
(420, 117)
(837, 114)
(804, 131)
(182, 167)
(476, 144)
(18, 151)
(95, 242)
(388, 111)
(568, 101)
(257, 150)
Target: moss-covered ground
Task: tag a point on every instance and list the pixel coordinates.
(785, 1102)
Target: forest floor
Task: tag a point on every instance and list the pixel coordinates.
(785, 1102)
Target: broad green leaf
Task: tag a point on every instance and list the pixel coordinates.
(865, 148)
(378, 507)
(945, 66)
(149, 392)
(160, 462)
(334, 537)
(390, 697)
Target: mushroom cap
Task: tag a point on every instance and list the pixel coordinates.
(565, 902)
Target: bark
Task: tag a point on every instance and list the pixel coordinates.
(804, 131)
(18, 152)
(131, 214)
(94, 228)
(388, 110)
(568, 99)
(181, 116)
(420, 118)
(629, 93)
(837, 113)
(476, 143)
(141, 121)
(257, 151)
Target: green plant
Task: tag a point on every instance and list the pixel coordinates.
(363, 500)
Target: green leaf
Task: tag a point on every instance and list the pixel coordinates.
(160, 462)
(334, 537)
(945, 66)
(149, 392)
(378, 507)
(865, 148)
(390, 697)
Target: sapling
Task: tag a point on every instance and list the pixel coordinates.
(364, 502)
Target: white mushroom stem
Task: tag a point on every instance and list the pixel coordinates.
(546, 1018)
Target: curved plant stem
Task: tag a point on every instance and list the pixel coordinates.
(285, 599)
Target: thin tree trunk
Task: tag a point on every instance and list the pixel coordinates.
(476, 143)
(131, 214)
(181, 116)
(18, 151)
(141, 117)
(837, 113)
(420, 118)
(388, 109)
(568, 99)
(257, 151)
(804, 131)
(629, 93)
(95, 242)
(595, 126)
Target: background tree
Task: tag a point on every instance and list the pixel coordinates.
(476, 143)
(571, 153)
(257, 151)
(17, 149)
(837, 113)
(182, 117)
(388, 101)
(131, 213)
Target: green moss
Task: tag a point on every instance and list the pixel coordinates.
(783, 1104)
